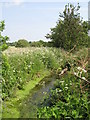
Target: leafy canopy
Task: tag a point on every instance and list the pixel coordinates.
(70, 30)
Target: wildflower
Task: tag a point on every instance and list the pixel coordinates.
(29, 66)
(61, 81)
(66, 87)
(61, 59)
(84, 78)
(60, 91)
(79, 68)
(13, 70)
(70, 83)
(75, 73)
(84, 70)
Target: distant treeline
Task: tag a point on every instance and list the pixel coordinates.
(25, 43)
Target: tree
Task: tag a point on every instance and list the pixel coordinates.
(88, 25)
(70, 30)
(22, 43)
(3, 40)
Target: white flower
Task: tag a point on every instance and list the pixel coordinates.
(79, 68)
(84, 70)
(61, 81)
(13, 70)
(84, 78)
(29, 66)
(60, 91)
(75, 73)
(66, 87)
(70, 83)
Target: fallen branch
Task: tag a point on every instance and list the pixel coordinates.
(82, 78)
(63, 71)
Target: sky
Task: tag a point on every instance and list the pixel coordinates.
(32, 19)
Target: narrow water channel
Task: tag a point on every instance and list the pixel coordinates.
(31, 103)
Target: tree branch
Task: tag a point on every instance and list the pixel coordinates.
(82, 78)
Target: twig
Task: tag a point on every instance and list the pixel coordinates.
(85, 85)
(82, 78)
(63, 71)
(72, 49)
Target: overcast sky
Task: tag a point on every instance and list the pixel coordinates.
(32, 19)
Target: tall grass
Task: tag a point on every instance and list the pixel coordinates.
(21, 65)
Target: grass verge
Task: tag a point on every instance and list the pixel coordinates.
(10, 106)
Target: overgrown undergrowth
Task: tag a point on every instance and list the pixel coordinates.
(20, 66)
(70, 97)
(66, 100)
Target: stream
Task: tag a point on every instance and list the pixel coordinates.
(32, 102)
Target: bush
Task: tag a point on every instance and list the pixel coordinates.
(22, 43)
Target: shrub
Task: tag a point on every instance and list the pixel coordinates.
(22, 43)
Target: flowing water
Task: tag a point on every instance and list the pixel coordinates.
(36, 96)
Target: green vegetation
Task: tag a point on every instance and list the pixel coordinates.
(26, 63)
(25, 43)
(70, 30)
(11, 106)
(19, 68)
(3, 40)
(70, 97)
(22, 43)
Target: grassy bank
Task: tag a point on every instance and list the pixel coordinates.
(11, 106)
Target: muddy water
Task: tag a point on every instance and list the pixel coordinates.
(36, 96)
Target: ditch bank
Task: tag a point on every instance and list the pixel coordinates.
(24, 103)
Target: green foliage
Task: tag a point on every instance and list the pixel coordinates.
(11, 43)
(41, 43)
(69, 99)
(66, 101)
(3, 40)
(22, 43)
(88, 25)
(18, 69)
(70, 30)
(37, 44)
